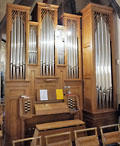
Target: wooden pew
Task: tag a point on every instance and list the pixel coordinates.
(83, 139)
(111, 137)
(58, 127)
(20, 142)
(62, 139)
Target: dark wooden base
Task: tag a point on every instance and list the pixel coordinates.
(100, 118)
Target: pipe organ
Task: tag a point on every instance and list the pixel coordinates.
(41, 55)
(98, 65)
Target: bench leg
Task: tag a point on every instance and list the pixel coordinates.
(34, 141)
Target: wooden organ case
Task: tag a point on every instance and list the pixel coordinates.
(98, 65)
(40, 55)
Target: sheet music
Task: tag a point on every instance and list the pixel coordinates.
(59, 94)
(43, 95)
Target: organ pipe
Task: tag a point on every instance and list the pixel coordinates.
(17, 57)
(72, 50)
(103, 64)
(47, 60)
(33, 45)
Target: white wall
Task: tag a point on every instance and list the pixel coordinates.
(117, 47)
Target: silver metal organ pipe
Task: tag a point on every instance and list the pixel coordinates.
(74, 46)
(99, 63)
(49, 46)
(72, 55)
(110, 69)
(18, 47)
(50, 38)
(97, 72)
(24, 51)
(67, 40)
(33, 46)
(41, 44)
(77, 60)
(68, 50)
(21, 50)
(29, 44)
(106, 67)
(76, 54)
(103, 63)
(14, 47)
(11, 56)
(73, 50)
(36, 47)
(44, 49)
(32, 51)
(47, 43)
(52, 47)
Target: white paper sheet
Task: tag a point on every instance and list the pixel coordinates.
(43, 95)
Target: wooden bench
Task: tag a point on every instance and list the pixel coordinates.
(110, 137)
(58, 127)
(84, 137)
